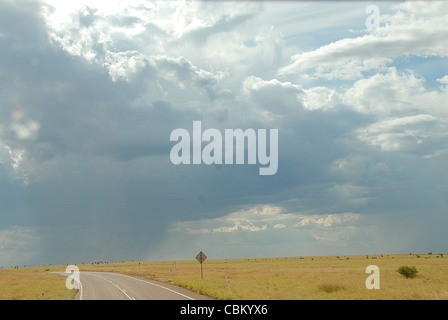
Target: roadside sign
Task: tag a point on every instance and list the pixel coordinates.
(201, 258)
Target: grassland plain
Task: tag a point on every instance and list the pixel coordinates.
(287, 278)
(31, 282)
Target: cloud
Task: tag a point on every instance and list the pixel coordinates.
(92, 91)
(290, 232)
(122, 65)
(350, 194)
(328, 221)
(443, 80)
(321, 98)
(272, 98)
(183, 73)
(240, 226)
(394, 134)
(23, 130)
(14, 238)
(408, 31)
(263, 218)
(15, 245)
(253, 219)
(386, 93)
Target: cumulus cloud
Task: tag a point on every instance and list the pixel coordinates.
(122, 65)
(321, 98)
(328, 221)
(273, 98)
(386, 93)
(253, 219)
(295, 232)
(263, 218)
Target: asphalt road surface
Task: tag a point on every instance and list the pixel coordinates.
(115, 286)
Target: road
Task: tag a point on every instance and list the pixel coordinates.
(115, 286)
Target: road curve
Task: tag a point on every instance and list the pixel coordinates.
(116, 286)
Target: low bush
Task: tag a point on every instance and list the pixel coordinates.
(408, 272)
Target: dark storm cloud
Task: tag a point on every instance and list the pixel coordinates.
(89, 130)
(85, 129)
(100, 180)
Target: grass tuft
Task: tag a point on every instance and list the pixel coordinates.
(330, 287)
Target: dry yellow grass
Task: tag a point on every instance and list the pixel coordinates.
(291, 278)
(30, 283)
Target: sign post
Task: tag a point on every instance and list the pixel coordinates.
(201, 258)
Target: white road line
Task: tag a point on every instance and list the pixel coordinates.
(157, 285)
(77, 280)
(122, 290)
(80, 288)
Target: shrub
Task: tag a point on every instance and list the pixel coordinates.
(329, 287)
(408, 272)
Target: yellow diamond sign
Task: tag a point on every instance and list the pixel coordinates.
(201, 257)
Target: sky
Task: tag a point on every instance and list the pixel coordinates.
(90, 92)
